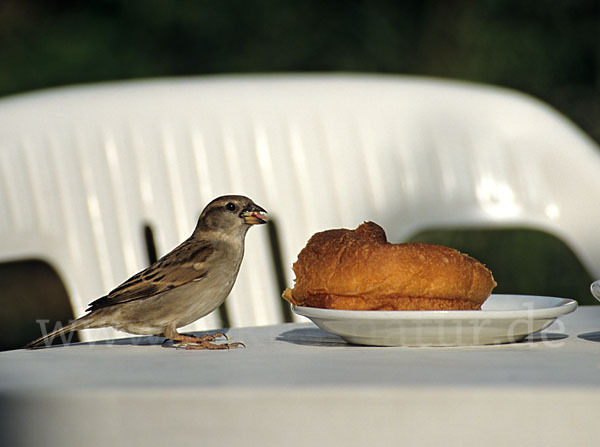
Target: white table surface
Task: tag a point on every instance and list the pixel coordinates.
(296, 385)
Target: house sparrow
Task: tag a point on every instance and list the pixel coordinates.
(184, 285)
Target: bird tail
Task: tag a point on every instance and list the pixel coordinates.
(80, 323)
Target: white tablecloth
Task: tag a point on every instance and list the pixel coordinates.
(296, 385)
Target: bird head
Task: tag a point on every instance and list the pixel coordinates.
(231, 212)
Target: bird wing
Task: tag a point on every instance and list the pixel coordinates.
(186, 263)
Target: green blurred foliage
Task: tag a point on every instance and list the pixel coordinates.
(33, 297)
(523, 261)
(546, 48)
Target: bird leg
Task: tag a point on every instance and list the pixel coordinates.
(203, 342)
(201, 339)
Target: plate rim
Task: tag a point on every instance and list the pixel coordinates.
(563, 306)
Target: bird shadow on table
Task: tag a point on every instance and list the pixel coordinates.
(311, 336)
(131, 341)
(142, 341)
(590, 336)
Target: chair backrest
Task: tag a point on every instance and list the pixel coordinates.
(83, 169)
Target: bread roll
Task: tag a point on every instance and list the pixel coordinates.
(360, 270)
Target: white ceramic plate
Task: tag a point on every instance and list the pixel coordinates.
(502, 319)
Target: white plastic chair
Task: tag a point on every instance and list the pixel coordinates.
(84, 168)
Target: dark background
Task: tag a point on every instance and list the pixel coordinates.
(549, 49)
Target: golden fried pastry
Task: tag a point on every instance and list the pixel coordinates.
(360, 270)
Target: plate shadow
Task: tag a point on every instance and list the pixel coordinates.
(540, 337)
(311, 336)
(590, 336)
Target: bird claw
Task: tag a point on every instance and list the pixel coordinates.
(209, 346)
(219, 334)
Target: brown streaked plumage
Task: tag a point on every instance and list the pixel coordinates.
(184, 285)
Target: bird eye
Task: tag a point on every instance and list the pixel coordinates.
(230, 207)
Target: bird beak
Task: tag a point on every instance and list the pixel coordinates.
(254, 215)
